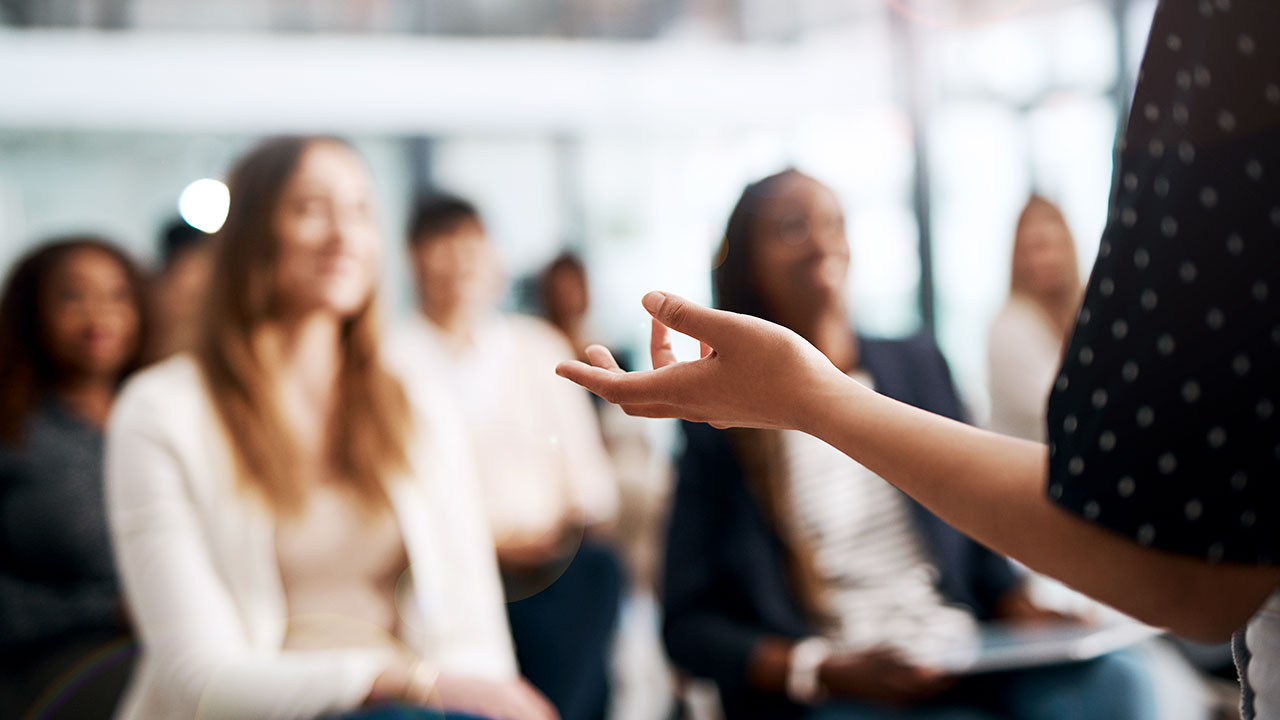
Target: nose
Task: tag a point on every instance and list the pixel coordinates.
(829, 237)
(346, 227)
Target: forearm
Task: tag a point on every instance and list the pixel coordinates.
(993, 488)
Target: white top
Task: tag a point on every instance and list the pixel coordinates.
(882, 584)
(1024, 353)
(1263, 671)
(340, 562)
(536, 440)
(198, 564)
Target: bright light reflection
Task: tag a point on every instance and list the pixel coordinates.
(204, 204)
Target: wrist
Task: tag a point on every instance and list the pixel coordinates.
(804, 683)
(823, 401)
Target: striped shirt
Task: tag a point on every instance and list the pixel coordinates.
(880, 582)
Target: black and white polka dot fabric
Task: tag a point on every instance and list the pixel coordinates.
(1165, 420)
(1164, 424)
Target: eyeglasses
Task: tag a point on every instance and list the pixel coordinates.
(797, 230)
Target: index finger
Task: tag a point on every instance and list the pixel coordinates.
(660, 350)
(633, 388)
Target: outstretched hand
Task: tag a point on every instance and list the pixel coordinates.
(752, 373)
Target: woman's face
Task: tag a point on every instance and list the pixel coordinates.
(329, 240)
(91, 316)
(567, 294)
(801, 251)
(1043, 257)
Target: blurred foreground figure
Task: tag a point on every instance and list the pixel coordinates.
(297, 536)
(72, 327)
(547, 482)
(800, 581)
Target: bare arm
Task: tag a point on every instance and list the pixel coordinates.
(753, 373)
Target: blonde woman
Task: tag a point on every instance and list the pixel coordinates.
(1029, 335)
(298, 538)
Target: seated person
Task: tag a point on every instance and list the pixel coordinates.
(178, 288)
(641, 459)
(297, 536)
(801, 583)
(72, 327)
(545, 477)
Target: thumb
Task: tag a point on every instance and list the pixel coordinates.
(689, 318)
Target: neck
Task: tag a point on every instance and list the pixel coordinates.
(305, 351)
(1060, 306)
(303, 356)
(831, 332)
(575, 330)
(90, 396)
(456, 322)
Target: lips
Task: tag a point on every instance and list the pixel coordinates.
(338, 265)
(100, 342)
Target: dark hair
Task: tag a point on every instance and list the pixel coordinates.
(28, 370)
(436, 215)
(733, 281)
(176, 238)
(567, 260)
(733, 275)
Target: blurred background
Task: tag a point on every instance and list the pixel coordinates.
(623, 129)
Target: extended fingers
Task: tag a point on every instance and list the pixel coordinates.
(673, 385)
(615, 386)
(660, 350)
(600, 357)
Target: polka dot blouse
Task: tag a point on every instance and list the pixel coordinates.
(1164, 424)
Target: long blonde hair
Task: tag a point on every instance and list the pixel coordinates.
(371, 432)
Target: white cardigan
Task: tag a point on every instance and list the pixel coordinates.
(197, 559)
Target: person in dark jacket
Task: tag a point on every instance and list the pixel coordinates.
(798, 581)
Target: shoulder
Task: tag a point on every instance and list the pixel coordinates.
(538, 335)
(912, 350)
(168, 403)
(1018, 316)
(169, 393)
(406, 340)
(707, 452)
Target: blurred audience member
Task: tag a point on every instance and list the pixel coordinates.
(1030, 333)
(547, 483)
(803, 584)
(185, 257)
(641, 461)
(564, 293)
(72, 325)
(566, 299)
(1024, 352)
(296, 536)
